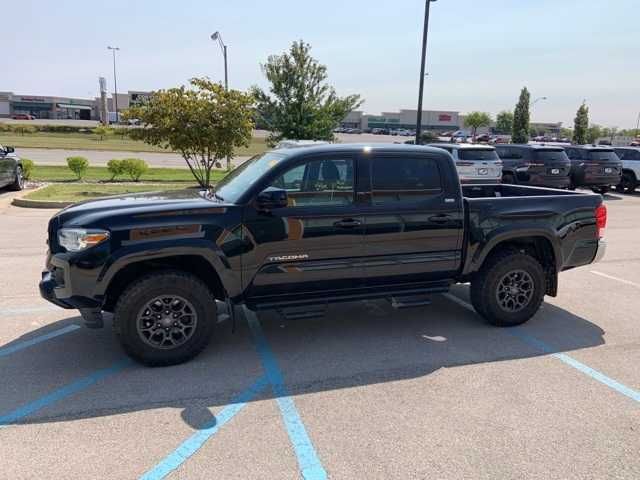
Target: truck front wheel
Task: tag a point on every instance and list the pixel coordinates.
(509, 288)
(165, 318)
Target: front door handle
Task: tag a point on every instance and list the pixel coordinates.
(440, 218)
(347, 223)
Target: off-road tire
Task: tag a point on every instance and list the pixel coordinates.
(484, 286)
(145, 289)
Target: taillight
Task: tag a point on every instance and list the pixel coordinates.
(601, 220)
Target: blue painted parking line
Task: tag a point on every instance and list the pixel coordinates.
(308, 461)
(595, 374)
(61, 393)
(572, 362)
(198, 439)
(16, 347)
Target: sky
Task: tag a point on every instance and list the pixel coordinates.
(480, 53)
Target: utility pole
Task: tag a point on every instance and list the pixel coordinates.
(115, 81)
(422, 70)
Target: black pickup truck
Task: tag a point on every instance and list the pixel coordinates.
(293, 229)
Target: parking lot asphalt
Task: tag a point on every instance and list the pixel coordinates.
(364, 392)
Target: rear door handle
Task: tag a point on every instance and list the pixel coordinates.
(347, 223)
(440, 218)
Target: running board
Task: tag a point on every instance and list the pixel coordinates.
(303, 313)
(411, 301)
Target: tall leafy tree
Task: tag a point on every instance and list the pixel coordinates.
(205, 123)
(300, 104)
(475, 120)
(581, 125)
(504, 123)
(594, 132)
(521, 118)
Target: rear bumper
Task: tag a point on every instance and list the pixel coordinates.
(602, 248)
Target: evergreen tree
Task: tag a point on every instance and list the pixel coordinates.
(521, 118)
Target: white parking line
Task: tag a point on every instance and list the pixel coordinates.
(621, 280)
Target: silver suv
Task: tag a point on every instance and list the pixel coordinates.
(475, 163)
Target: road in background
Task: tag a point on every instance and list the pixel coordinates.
(46, 156)
(429, 392)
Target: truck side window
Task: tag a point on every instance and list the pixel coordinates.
(318, 183)
(404, 180)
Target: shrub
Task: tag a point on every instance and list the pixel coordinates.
(116, 168)
(78, 165)
(22, 129)
(27, 168)
(135, 167)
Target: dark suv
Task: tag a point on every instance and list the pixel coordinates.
(540, 165)
(595, 167)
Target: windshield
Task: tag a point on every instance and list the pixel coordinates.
(604, 156)
(238, 181)
(551, 155)
(479, 154)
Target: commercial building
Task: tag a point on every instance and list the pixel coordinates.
(434, 120)
(64, 108)
(40, 106)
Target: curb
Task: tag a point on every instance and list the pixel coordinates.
(24, 203)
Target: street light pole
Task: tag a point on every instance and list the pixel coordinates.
(115, 81)
(537, 100)
(216, 37)
(422, 70)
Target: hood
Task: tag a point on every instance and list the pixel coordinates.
(91, 211)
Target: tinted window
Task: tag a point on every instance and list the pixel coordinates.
(238, 181)
(480, 154)
(404, 180)
(550, 155)
(629, 154)
(503, 152)
(607, 156)
(318, 183)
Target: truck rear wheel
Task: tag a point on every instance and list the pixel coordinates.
(509, 288)
(165, 318)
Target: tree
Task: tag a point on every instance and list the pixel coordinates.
(205, 123)
(300, 104)
(594, 132)
(504, 123)
(102, 131)
(475, 120)
(580, 125)
(521, 118)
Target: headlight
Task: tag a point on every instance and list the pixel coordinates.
(77, 239)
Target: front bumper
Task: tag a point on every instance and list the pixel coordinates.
(602, 248)
(58, 287)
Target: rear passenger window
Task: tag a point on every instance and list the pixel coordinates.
(404, 180)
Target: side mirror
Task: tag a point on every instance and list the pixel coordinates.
(272, 198)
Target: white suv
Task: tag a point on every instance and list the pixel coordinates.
(630, 157)
(475, 163)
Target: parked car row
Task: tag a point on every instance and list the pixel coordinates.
(589, 166)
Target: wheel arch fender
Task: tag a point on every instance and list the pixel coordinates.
(542, 239)
(206, 262)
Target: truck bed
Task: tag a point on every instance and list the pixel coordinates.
(564, 218)
(510, 191)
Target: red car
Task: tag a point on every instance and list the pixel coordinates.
(23, 116)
